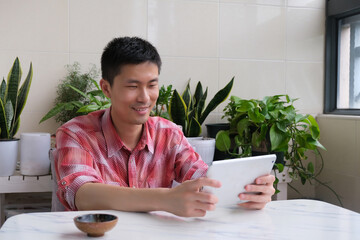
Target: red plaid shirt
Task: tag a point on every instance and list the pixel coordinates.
(90, 150)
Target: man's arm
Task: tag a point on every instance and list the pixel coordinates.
(184, 200)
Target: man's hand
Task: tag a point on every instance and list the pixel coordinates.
(188, 201)
(264, 186)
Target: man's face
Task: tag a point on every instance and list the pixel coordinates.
(133, 94)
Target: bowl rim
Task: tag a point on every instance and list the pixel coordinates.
(76, 218)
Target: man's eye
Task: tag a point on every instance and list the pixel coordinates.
(132, 87)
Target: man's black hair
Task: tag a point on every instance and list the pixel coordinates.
(126, 50)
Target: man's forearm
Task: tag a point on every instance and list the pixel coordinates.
(93, 196)
(184, 200)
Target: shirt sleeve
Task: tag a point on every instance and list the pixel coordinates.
(188, 163)
(74, 167)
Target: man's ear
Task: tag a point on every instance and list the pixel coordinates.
(105, 87)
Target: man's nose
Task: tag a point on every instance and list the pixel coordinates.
(143, 95)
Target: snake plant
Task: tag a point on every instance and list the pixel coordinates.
(189, 110)
(13, 99)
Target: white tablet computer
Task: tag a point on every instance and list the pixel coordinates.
(235, 174)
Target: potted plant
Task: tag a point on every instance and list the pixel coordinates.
(161, 107)
(272, 125)
(190, 111)
(78, 94)
(12, 102)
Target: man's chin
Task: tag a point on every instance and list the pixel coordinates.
(141, 121)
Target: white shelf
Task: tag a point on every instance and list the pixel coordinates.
(18, 183)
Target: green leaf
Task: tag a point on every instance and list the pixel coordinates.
(256, 116)
(256, 139)
(98, 93)
(282, 125)
(107, 105)
(2, 90)
(95, 84)
(178, 110)
(300, 118)
(194, 129)
(222, 141)
(88, 108)
(289, 113)
(274, 114)
(13, 82)
(245, 105)
(9, 114)
(201, 104)
(318, 144)
(279, 167)
(311, 143)
(186, 96)
(69, 107)
(78, 91)
(55, 110)
(276, 181)
(313, 126)
(263, 131)
(239, 140)
(279, 140)
(3, 122)
(219, 97)
(303, 179)
(287, 98)
(16, 127)
(242, 125)
(310, 167)
(198, 95)
(23, 93)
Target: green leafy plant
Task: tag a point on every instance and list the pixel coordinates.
(161, 107)
(189, 110)
(78, 94)
(13, 99)
(273, 125)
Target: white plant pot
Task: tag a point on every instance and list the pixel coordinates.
(34, 153)
(205, 147)
(8, 156)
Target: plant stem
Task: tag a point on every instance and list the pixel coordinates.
(332, 190)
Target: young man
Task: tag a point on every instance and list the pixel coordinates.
(122, 159)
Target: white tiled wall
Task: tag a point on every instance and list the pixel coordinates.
(270, 46)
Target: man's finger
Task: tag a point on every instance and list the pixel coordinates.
(205, 197)
(260, 188)
(252, 205)
(265, 179)
(259, 198)
(200, 182)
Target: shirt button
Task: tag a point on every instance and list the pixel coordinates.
(63, 183)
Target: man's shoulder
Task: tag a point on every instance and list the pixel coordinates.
(162, 123)
(89, 122)
(161, 129)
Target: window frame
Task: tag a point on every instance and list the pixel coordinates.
(336, 10)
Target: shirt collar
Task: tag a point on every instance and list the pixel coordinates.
(114, 142)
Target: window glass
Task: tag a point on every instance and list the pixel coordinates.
(348, 90)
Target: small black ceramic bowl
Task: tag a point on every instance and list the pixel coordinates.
(95, 225)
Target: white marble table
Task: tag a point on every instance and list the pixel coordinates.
(291, 219)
